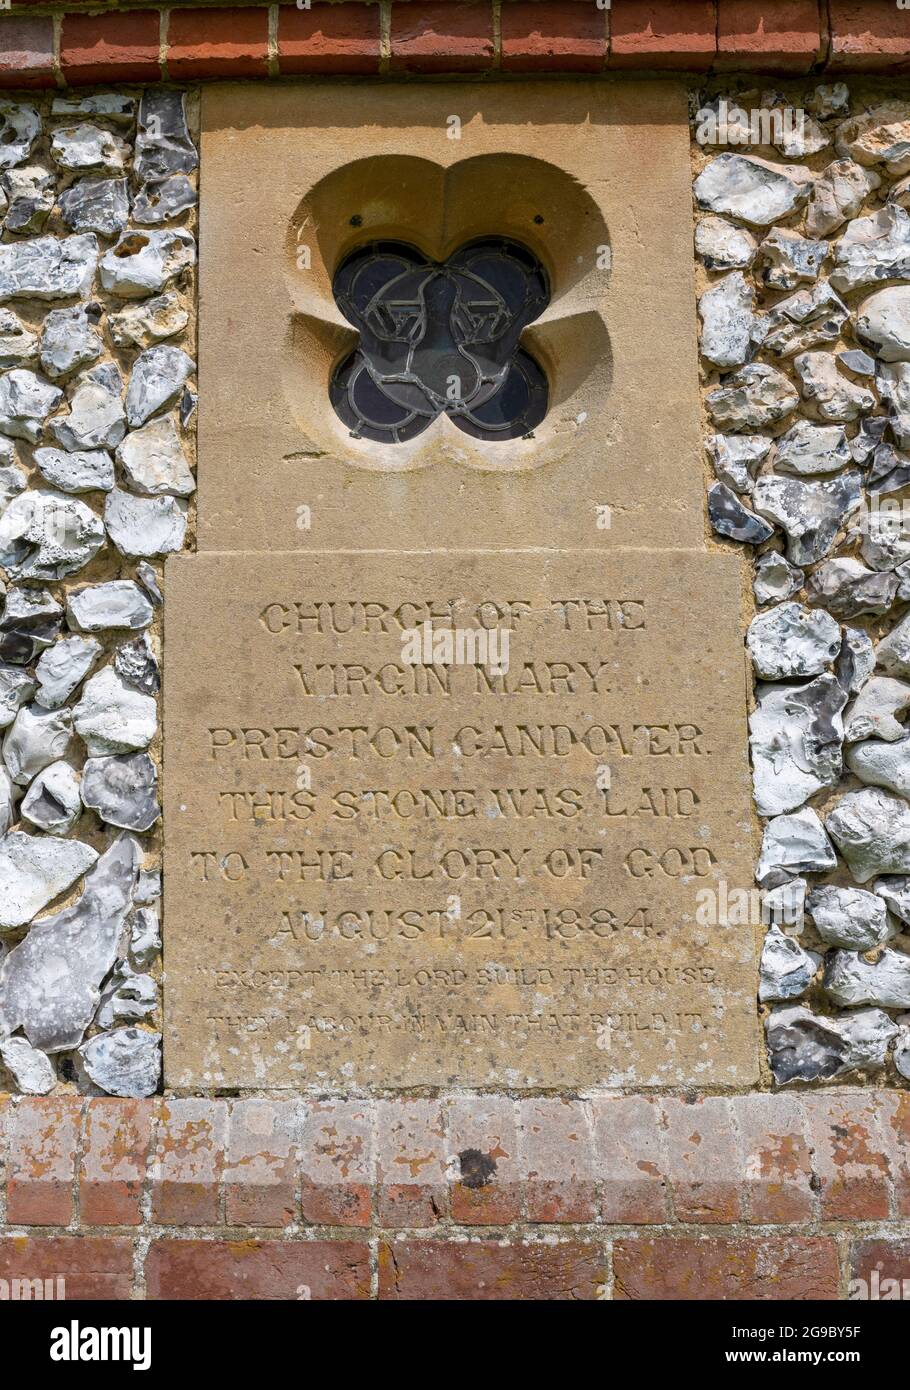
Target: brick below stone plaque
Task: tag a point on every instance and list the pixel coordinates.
(382, 874)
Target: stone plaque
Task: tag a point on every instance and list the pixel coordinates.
(439, 819)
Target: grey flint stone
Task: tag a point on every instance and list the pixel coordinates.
(50, 984)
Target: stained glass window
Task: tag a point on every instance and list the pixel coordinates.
(440, 336)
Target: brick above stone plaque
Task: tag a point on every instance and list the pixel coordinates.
(445, 819)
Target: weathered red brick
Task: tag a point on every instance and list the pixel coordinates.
(884, 1266)
(894, 1127)
(258, 1269)
(557, 1158)
(26, 51)
(261, 1174)
(43, 1138)
(91, 1267)
(869, 36)
(218, 43)
(188, 1162)
(114, 1161)
(629, 1162)
(337, 1163)
(110, 47)
(329, 38)
(848, 1157)
(411, 1163)
(777, 1162)
(482, 1144)
(725, 1267)
(662, 34)
(480, 1270)
(770, 35)
(704, 1163)
(441, 36)
(564, 36)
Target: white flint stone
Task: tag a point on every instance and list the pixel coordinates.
(118, 603)
(752, 398)
(34, 869)
(849, 917)
(873, 249)
(148, 322)
(153, 461)
(145, 935)
(895, 890)
(796, 733)
(883, 323)
(149, 890)
(48, 267)
(122, 790)
(31, 192)
(723, 246)
(726, 321)
(838, 195)
(111, 717)
(871, 828)
(20, 126)
(755, 190)
(775, 578)
(786, 969)
(830, 99)
(886, 539)
(142, 263)
(874, 712)
(848, 588)
(36, 738)
(111, 106)
(160, 200)
(801, 137)
(792, 641)
(882, 764)
(801, 321)
(737, 456)
(80, 470)
(804, 1046)
(29, 1068)
(18, 344)
(832, 394)
(64, 666)
(8, 796)
(97, 419)
(811, 513)
(126, 1062)
(856, 661)
(16, 686)
(83, 148)
(143, 526)
(69, 340)
(163, 144)
(48, 535)
(893, 652)
(807, 449)
(26, 400)
(893, 381)
(52, 802)
(792, 846)
(135, 662)
(96, 205)
(127, 997)
(880, 135)
(785, 259)
(901, 1054)
(157, 378)
(50, 984)
(850, 980)
(12, 479)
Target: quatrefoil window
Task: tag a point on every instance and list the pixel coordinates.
(440, 337)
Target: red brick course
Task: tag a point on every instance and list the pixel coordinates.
(467, 1196)
(439, 36)
(110, 47)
